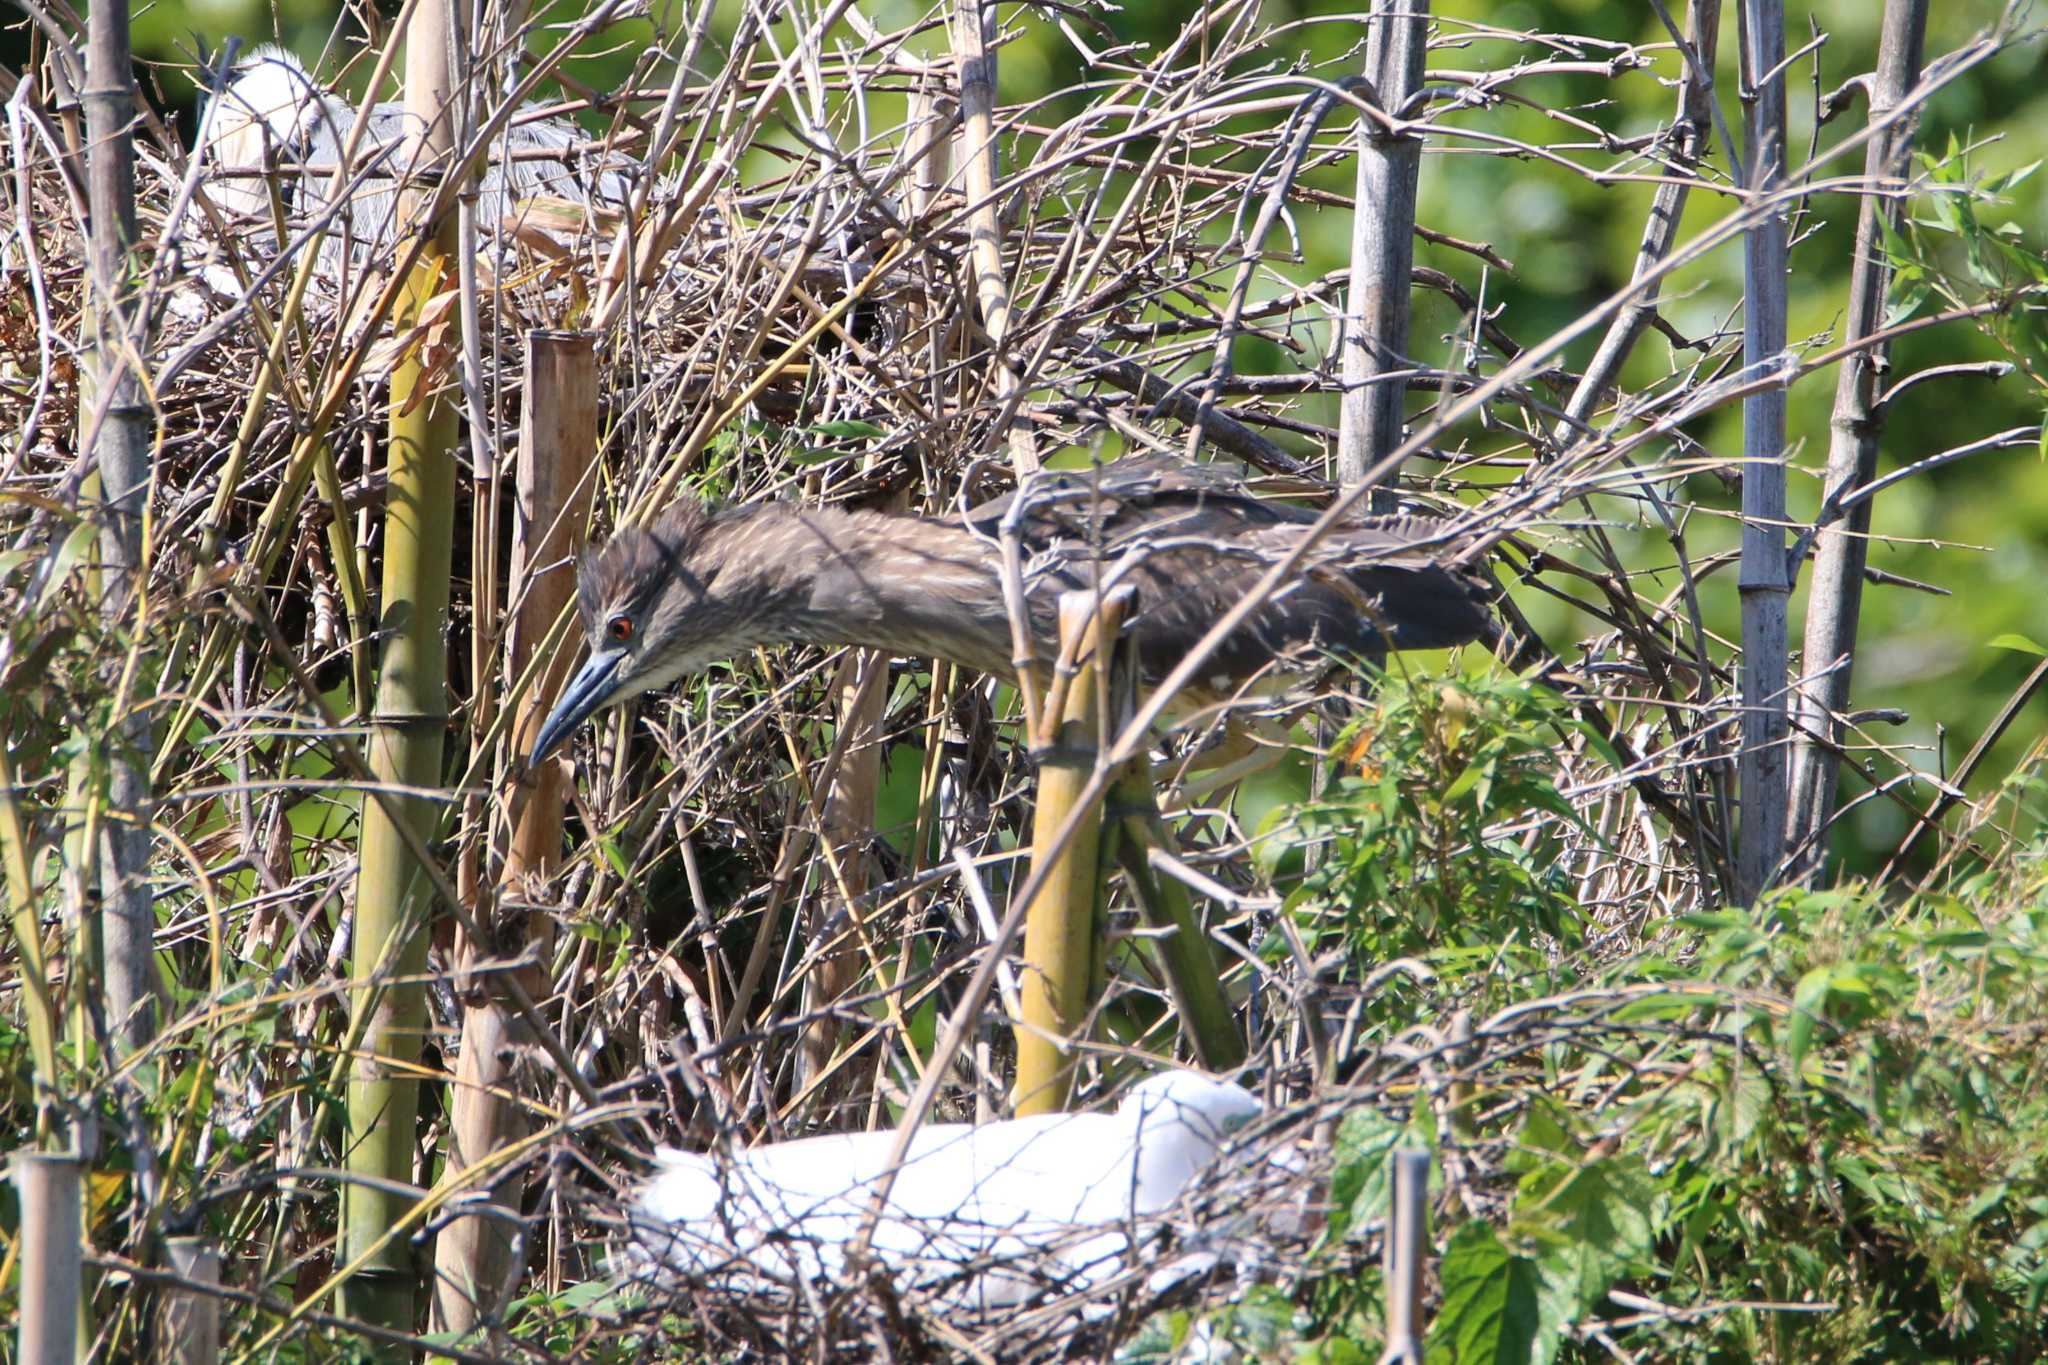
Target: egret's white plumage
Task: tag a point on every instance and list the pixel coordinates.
(273, 112)
(981, 1216)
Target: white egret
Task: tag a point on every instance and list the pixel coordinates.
(979, 1217)
(272, 112)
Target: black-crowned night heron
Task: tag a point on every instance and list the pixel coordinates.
(700, 585)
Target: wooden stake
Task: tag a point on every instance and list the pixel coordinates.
(474, 1260)
(1407, 1254)
(189, 1331)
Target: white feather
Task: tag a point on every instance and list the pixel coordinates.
(273, 112)
(981, 1216)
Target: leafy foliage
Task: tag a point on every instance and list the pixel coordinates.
(1816, 1129)
(1441, 836)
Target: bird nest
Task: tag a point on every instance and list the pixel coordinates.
(788, 1284)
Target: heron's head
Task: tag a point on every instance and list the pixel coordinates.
(655, 607)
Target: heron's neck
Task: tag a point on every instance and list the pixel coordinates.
(900, 583)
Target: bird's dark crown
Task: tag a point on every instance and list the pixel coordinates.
(637, 559)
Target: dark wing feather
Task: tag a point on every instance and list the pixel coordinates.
(1204, 541)
(1131, 494)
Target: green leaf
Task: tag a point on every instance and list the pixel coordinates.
(1905, 302)
(2016, 642)
(1462, 783)
(1593, 1220)
(847, 430)
(1998, 185)
(1490, 1314)
(1809, 1003)
(83, 538)
(1358, 1177)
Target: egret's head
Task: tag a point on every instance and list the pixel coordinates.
(270, 106)
(1210, 1109)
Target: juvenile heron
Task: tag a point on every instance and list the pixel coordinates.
(699, 585)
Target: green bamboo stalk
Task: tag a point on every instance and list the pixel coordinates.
(393, 892)
(1192, 977)
(38, 1003)
(1060, 935)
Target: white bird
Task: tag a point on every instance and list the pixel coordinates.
(979, 1217)
(273, 113)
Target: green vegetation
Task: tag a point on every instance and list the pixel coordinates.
(1813, 1130)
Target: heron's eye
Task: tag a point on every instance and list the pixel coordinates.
(620, 628)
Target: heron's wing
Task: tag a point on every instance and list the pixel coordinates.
(1104, 504)
(1361, 589)
(1194, 542)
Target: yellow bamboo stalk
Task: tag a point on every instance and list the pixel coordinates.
(393, 893)
(37, 1004)
(1060, 934)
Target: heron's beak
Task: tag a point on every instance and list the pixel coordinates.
(594, 687)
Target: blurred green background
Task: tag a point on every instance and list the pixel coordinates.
(1978, 527)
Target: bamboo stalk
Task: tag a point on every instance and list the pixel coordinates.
(393, 894)
(48, 1184)
(118, 446)
(1764, 578)
(1667, 210)
(474, 1256)
(1060, 933)
(849, 822)
(1377, 303)
(973, 28)
(1834, 601)
(1188, 963)
(38, 1005)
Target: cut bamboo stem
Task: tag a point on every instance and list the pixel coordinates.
(48, 1184)
(407, 730)
(1834, 602)
(189, 1331)
(1060, 933)
(475, 1261)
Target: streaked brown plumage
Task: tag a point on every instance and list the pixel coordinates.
(701, 585)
